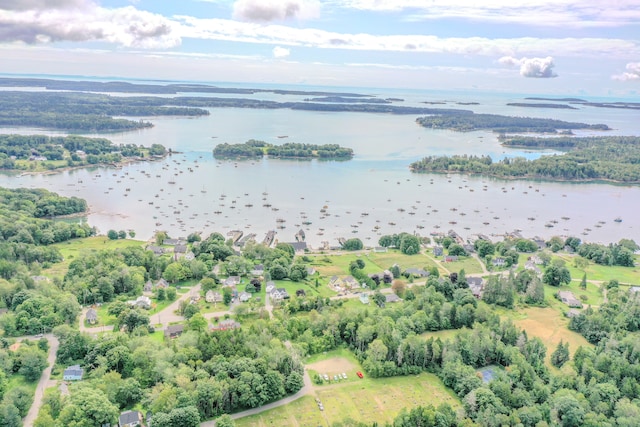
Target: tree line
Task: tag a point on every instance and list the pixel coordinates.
(253, 148)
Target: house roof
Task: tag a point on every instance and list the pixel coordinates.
(174, 329)
(392, 298)
(298, 246)
(92, 314)
(74, 370)
(129, 417)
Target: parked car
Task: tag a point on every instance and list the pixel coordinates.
(326, 377)
(359, 374)
(344, 376)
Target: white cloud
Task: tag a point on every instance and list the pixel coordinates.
(220, 29)
(280, 52)
(632, 73)
(275, 10)
(564, 13)
(43, 21)
(531, 67)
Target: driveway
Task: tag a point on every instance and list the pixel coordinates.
(45, 380)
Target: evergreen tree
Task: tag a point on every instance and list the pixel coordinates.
(561, 355)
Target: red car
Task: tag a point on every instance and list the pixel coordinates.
(359, 374)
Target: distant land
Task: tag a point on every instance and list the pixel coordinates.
(501, 124)
(541, 105)
(348, 100)
(291, 150)
(536, 98)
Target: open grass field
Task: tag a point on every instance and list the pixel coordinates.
(548, 324)
(387, 259)
(629, 275)
(470, 265)
(367, 399)
(72, 248)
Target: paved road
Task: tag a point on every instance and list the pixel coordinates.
(306, 389)
(45, 380)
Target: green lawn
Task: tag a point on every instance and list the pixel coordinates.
(72, 248)
(470, 265)
(366, 400)
(387, 259)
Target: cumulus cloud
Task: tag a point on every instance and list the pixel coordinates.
(280, 52)
(531, 67)
(632, 73)
(275, 10)
(43, 21)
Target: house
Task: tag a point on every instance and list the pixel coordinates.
(469, 248)
(451, 258)
(244, 296)
(301, 293)
(279, 294)
(364, 298)
(311, 271)
(226, 325)
(350, 282)
(569, 299)
(162, 284)
(416, 272)
(130, 419)
(173, 242)
(231, 281)
(92, 316)
(392, 298)
(73, 373)
(380, 249)
(634, 289)
(271, 286)
(180, 249)
(189, 256)
(148, 287)
(141, 302)
(438, 251)
(536, 260)
(157, 250)
(211, 296)
(476, 286)
(299, 246)
(173, 331)
(541, 243)
(498, 262)
(258, 270)
(336, 283)
(530, 265)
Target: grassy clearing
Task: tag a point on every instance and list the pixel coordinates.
(547, 323)
(630, 275)
(73, 248)
(366, 400)
(470, 265)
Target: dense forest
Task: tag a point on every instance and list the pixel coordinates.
(84, 111)
(590, 158)
(253, 148)
(501, 124)
(21, 151)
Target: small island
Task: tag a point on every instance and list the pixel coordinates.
(610, 158)
(541, 105)
(41, 153)
(291, 150)
(502, 124)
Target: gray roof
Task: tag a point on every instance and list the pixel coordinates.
(92, 314)
(129, 417)
(74, 370)
(174, 329)
(392, 298)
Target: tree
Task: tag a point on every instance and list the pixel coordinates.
(352, 245)
(555, 275)
(583, 282)
(561, 354)
(161, 236)
(112, 235)
(131, 319)
(88, 407)
(409, 244)
(484, 248)
(535, 292)
(33, 361)
(225, 421)
(161, 294)
(171, 294)
(190, 311)
(197, 322)
(227, 295)
(294, 382)
(122, 234)
(207, 284)
(457, 250)
(379, 299)
(128, 393)
(9, 415)
(398, 286)
(174, 272)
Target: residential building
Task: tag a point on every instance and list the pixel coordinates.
(416, 272)
(392, 298)
(226, 325)
(499, 262)
(364, 298)
(173, 331)
(92, 316)
(73, 373)
(569, 299)
(130, 419)
(476, 285)
(244, 296)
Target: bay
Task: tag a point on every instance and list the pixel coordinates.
(371, 195)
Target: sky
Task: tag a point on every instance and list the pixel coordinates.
(571, 47)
